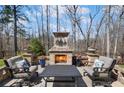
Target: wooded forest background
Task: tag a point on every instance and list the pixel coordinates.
(102, 29)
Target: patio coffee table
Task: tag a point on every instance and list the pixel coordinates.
(60, 71)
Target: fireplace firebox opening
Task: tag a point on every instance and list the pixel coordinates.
(60, 58)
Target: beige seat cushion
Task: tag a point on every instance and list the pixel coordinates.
(89, 70)
(12, 61)
(21, 75)
(33, 69)
(107, 61)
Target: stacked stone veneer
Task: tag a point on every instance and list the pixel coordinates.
(4, 74)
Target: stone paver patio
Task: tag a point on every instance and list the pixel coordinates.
(83, 82)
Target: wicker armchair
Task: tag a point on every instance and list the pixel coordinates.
(102, 77)
(26, 75)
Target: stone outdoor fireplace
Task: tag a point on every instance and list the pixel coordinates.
(60, 53)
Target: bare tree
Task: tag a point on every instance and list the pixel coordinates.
(1, 37)
(72, 13)
(117, 31)
(38, 25)
(57, 20)
(89, 30)
(48, 29)
(15, 29)
(98, 30)
(42, 17)
(107, 13)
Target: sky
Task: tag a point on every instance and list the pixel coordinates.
(31, 11)
(64, 20)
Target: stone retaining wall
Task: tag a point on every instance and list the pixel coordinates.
(120, 73)
(4, 74)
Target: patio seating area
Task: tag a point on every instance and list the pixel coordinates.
(61, 45)
(60, 75)
(82, 82)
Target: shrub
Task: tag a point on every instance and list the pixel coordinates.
(36, 47)
(1, 63)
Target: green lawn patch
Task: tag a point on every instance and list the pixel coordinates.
(1, 63)
(122, 66)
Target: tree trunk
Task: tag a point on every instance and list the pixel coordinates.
(108, 31)
(38, 26)
(116, 39)
(74, 33)
(15, 30)
(42, 27)
(57, 21)
(47, 13)
(88, 41)
(74, 24)
(108, 43)
(1, 38)
(97, 31)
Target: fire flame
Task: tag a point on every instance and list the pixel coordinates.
(61, 58)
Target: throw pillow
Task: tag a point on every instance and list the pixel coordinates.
(98, 64)
(22, 65)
